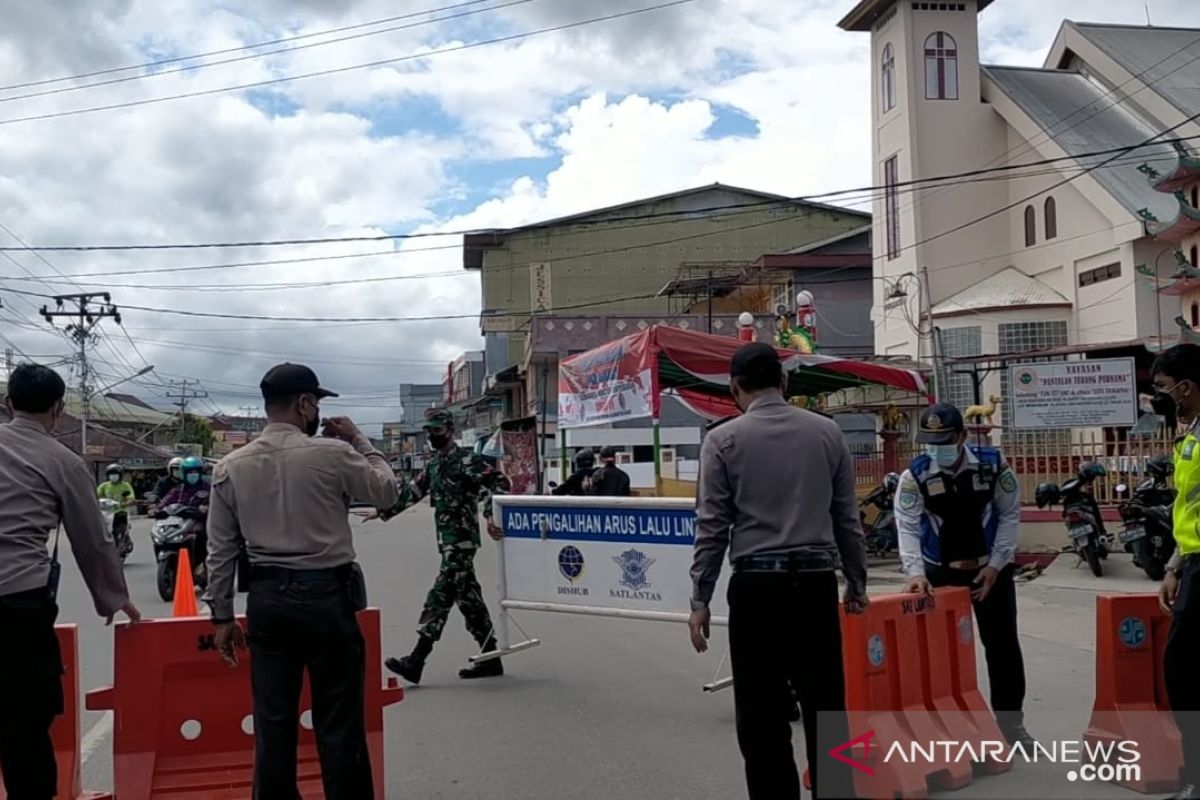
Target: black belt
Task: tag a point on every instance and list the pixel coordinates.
(271, 572)
(786, 562)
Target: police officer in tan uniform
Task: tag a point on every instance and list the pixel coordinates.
(286, 496)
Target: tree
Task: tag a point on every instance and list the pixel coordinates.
(197, 430)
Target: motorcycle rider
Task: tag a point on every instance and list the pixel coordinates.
(116, 487)
(193, 492)
(169, 481)
(580, 480)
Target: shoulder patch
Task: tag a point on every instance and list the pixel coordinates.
(1189, 449)
(908, 498)
(1008, 480)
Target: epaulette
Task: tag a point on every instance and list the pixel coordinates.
(718, 423)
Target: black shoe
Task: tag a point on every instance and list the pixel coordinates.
(408, 668)
(493, 668)
(1188, 792)
(1017, 734)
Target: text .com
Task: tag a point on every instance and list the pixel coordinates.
(1103, 761)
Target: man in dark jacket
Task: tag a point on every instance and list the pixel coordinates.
(610, 480)
(581, 479)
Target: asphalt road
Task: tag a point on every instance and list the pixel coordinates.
(604, 708)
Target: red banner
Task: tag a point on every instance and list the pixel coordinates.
(519, 461)
(610, 383)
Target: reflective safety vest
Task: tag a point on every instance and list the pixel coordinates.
(1187, 500)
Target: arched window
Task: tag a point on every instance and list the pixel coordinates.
(1196, 197)
(1051, 219)
(1195, 256)
(1030, 226)
(1195, 314)
(887, 81)
(941, 67)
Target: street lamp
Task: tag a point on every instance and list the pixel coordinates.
(87, 401)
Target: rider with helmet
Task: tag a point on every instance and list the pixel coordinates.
(192, 492)
(169, 481)
(580, 480)
(116, 487)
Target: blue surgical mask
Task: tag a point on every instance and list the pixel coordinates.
(192, 478)
(944, 455)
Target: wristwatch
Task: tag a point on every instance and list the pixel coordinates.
(699, 605)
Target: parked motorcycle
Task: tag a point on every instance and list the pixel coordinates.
(176, 528)
(882, 535)
(1148, 521)
(116, 519)
(1085, 527)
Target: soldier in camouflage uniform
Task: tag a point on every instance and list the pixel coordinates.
(456, 480)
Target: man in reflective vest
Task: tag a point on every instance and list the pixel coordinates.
(1177, 395)
(958, 509)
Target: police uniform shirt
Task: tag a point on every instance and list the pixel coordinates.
(1187, 499)
(41, 483)
(777, 479)
(286, 495)
(910, 510)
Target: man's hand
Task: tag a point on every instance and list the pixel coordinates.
(130, 611)
(368, 516)
(229, 639)
(984, 582)
(855, 601)
(698, 626)
(494, 530)
(1168, 592)
(918, 585)
(340, 428)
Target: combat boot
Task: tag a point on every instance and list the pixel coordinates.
(411, 666)
(492, 668)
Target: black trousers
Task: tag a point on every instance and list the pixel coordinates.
(297, 625)
(31, 694)
(785, 635)
(1180, 661)
(997, 618)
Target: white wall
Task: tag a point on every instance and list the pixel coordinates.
(630, 437)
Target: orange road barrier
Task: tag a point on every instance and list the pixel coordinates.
(1131, 696)
(911, 679)
(184, 602)
(65, 731)
(183, 719)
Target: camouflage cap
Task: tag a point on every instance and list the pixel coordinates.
(439, 418)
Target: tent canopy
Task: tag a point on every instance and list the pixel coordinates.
(625, 379)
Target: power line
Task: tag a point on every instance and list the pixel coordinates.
(251, 56)
(225, 51)
(338, 70)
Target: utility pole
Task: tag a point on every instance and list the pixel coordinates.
(927, 295)
(87, 313)
(182, 398)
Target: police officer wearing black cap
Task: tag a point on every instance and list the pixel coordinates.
(286, 497)
(610, 480)
(958, 509)
(776, 490)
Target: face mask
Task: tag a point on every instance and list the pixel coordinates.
(1163, 404)
(193, 478)
(944, 455)
(113, 478)
(438, 441)
(313, 425)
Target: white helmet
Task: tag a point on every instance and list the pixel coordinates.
(174, 464)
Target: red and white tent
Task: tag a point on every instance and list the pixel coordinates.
(626, 378)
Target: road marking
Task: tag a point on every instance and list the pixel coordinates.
(96, 736)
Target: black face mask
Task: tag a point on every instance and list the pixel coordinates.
(311, 426)
(1163, 404)
(439, 441)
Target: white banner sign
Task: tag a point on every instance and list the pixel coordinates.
(612, 556)
(1074, 394)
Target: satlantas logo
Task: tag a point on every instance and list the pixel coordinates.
(635, 577)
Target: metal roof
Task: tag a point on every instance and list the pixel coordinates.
(862, 17)
(1050, 96)
(1009, 288)
(1141, 51)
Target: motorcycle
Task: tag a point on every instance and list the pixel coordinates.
(1085, 527)
(116, 519)
(882, 535)
(177, 527)
(1148, 521)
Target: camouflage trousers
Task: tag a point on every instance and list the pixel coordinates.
(456, 585)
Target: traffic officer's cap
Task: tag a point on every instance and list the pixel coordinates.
(285, 380)
(941, 423)
(438, 418)
(756, 360)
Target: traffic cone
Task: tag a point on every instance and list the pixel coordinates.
(185, 590)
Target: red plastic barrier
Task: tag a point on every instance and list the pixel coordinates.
(911, 676)
(1131, 697)
(65, 731)
(183, 724)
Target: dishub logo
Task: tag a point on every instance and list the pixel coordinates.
(570, 566)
